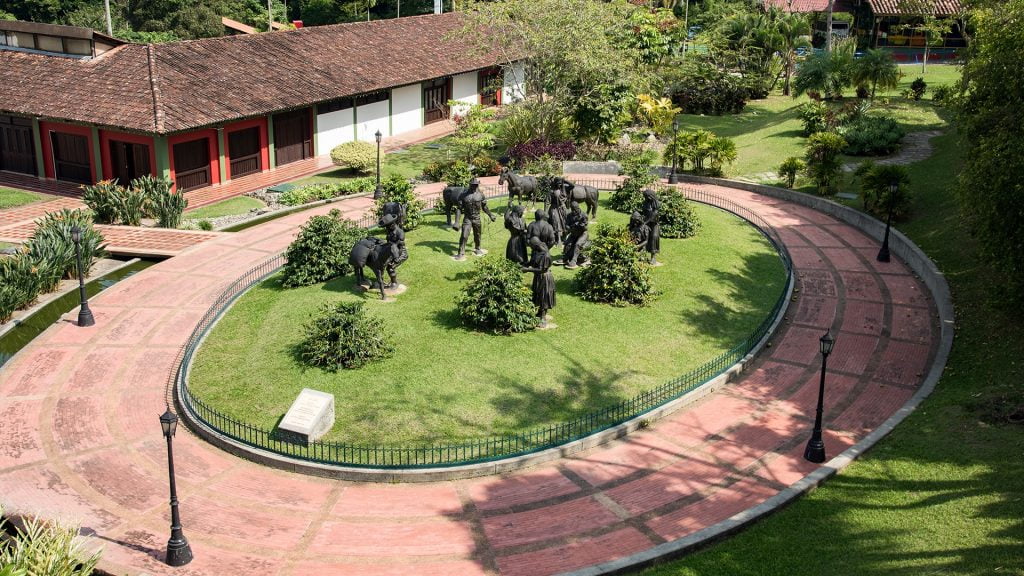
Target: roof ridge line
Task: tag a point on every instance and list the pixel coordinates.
(158, 113)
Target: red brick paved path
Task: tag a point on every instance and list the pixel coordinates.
(80, 439)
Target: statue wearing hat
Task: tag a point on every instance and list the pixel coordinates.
(396, 237)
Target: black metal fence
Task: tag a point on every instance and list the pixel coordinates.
(471, 450)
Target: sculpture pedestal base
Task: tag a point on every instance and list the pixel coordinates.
(657, 264)
(459, 257)
(546, 325)
(387, 291)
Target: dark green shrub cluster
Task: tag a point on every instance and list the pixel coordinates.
(875, 182)
(145, 197)
(871, 136)
(618, 273)
(344, 336)
(814, 115)
(944, 95)
(707, 153)
(398, 189)
(704, 89)
(822, 161)
(321, 250)
(495, 299)
(48, 256)
(359, 156)
(325, 191)
(676, 215)
(790, 168)
(917, 89)
(628, 196)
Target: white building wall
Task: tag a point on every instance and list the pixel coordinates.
(371, 118)
(514, 88)
(465, 89)
(334, 128)
(406, 108)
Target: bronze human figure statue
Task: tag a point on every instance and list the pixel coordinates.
(397, 209)
(540, 228)
(554, 204)
(577, 239)
(638, 230)
(649, 211)
(543, 280)
(395, 237)
(473, 203)
(375, 253)
(580, 193)
(515, 249)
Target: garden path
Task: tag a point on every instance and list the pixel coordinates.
(80, 438)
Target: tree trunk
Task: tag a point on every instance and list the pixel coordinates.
(828, 29)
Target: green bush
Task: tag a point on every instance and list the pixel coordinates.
(875, 181)
(628, 196)
(160, 202)
(321, 250)
(917, 89)
(822, 159)
(871, 135)
(944, 95)
(486, 166)
(814, 115)
(21, 282)
(702, 88)
(326, 191)
(676, 216)
(359, 156)
(789, 169)
(398, 189)
(495, 299)
(343, 336)
(51, 243)
(618, 273)
(100, 198)
(457, 173)
(46, 548)
(205, 224)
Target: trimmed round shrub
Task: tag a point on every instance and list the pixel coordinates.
(486, 166)
(871, 136)
(321, 250)
(495, 299)
(398, 189)
(618, 273)
(344, 336)
(359, 156)
(676, 215)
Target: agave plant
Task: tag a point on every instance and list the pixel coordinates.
(46, 548)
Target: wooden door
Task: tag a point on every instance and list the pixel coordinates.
(435, 100)
(244, 151)
(192, 164)
(490, 83)
(71, 154)
(17, 148)
(129, 161)
(292, 139)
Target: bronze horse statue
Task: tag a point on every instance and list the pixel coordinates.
(376, 254)
(451, 197)
(519, 185)
(578, 192)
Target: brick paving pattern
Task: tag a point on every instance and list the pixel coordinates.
(80, 439)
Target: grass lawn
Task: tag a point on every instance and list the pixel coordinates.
(10, 198)
(942, 494)
(446, 382)
(229, 207)
(769, 131)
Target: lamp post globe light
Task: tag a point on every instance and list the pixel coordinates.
(84, 313)
(673, 178)
(377, 192)
(178, 551)
(815, 451)
(883, 252)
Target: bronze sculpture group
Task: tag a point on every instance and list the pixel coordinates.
(382, 255)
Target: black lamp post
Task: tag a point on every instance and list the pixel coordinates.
(672, 177)
(178, 551)
(883, 253)
(84, 313)
(377, 192)
(815, 451)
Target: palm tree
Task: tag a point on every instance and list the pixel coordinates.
(721, 151)
(877, 68)
(792, 30)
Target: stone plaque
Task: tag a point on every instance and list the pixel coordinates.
(309, 418)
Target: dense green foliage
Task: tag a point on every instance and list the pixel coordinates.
(45, 548)
(676, 215)
(321, 250)
(357, 155)
(163, 204)
(827, 73)
(789, 169)
(398, 189)
(876, 68)
(326, 191)
(618, 273)
(473, 134)
(824, 165)
(991, 189)
(495, 299)
(112, 203)
(871, 135)
(628, 195)
(707, 153)
(51, 242)
(875, 183)
(701, 88)
(342, 335)
(814, 115)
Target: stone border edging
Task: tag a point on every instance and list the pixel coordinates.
(925, 269)
(501, 466)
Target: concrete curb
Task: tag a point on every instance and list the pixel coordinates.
(929, 273)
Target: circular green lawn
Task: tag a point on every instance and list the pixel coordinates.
(446, 382)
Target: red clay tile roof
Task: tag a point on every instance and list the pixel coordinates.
(893, 7)
(802, 6)
(165, 88)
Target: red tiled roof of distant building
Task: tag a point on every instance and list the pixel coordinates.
(935, 7)
(802, 6)
(178, 86)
